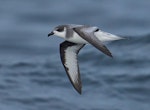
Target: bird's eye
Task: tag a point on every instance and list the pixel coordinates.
(60, 29)
(96, 30)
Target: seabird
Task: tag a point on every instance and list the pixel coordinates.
(76, 36)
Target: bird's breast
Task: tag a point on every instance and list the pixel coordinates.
(77, 39)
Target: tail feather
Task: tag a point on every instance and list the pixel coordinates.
(104, 36)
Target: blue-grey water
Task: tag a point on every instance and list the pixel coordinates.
(32, 76)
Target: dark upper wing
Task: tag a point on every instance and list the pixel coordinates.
(68, 54)
(87, 33)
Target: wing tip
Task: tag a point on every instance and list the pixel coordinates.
(79, 90)
(110, 55)
(78, 87)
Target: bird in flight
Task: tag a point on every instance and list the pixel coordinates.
(76, 37)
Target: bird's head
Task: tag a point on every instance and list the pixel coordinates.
(59, 31)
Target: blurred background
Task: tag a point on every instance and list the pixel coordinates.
(32, 76)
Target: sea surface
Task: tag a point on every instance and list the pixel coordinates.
(32, 76)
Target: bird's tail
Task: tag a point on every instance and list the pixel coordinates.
(104, 36)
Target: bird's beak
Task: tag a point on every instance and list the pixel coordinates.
(52, 33)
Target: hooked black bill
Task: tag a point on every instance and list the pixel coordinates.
(52, 33)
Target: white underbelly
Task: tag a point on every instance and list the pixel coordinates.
(77, 39)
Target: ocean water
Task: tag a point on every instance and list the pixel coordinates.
(32, 76)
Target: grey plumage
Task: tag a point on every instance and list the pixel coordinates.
(76, 36)
(87, 34)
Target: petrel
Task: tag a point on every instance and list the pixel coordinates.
(76, 37)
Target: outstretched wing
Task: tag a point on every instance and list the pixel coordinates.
(87, 33)
(68, 54)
